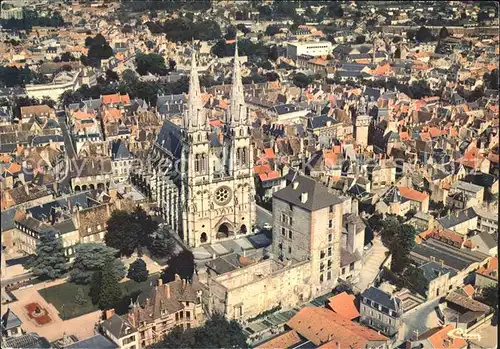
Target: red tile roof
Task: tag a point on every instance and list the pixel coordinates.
(412, 194)
(116, 98)
(321, 325)
(269, 153)
(469, 290)
(441, 339)
(344, 304)
(285, 340)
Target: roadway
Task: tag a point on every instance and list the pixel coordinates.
(64, 183)
(263, 216)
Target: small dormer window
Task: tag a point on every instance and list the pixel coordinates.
(98, 227)
(89, 229)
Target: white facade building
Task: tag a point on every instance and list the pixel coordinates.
(314, 48)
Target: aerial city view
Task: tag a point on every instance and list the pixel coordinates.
(249, 174)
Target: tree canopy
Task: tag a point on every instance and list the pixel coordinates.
(91, 257)
(49, 261)
(138, 271)
(32, 19)
(150, 63)
(443, 33)
(110, 291)
(128, 231)
(272, 30)
(184, 29)
(13, 76)
(181, 264)
(217, 332)
(401, 239)
(98, 49)
(424, 34)
(302, 80)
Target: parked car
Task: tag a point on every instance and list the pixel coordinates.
(267, 226)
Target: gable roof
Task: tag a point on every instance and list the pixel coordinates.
(382, 298)
(344, 304)
(321, 325)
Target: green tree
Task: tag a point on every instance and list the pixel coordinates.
(91, 257)
(230, 33)
(273, 53)
(360, 39)
(272, 30)
(80, 298)
(181, 264)
(138, 271)
(49, 262)
(150, 63)
(162, 246)
(110, 291)
(217, 332)
(242, 28)
(443, 33)
(128, 231)
(67, 56)
(489, 296)
(413, 279)
(95, 287)
(301, 80)
(423, 34)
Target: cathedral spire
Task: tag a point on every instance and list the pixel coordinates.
(237, 101)
(194, 116)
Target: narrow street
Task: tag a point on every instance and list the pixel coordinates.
(371, 266)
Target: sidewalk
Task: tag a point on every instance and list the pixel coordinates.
(82, 326)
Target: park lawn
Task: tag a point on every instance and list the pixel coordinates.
(62, 297)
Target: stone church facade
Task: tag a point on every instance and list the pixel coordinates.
(201, 177)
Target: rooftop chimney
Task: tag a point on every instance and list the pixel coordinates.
(159, 282)
(303, 197)
(167, 291)
(109, 313)
(177, 277)
(295, 185)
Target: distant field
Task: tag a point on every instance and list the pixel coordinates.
(63, 297)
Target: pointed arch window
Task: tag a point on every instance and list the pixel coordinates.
(238, 156)
(203, 162)
(197, 163)
(244, 156)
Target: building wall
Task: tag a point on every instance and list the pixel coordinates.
(375, 318)
(244, 294)
(321, 48)
(314, 235)
(482, 281)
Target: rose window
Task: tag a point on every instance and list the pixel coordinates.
(222, 195)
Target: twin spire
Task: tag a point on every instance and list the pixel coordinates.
(195, 116)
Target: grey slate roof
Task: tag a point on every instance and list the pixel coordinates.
(97, 341)
(8, 219)
(452, 257)
(170, 139)
(457, 218)
(118, 326)
(432, 270)
(10, 320)
(30, 340)
(384, 299)
(120, 151)
(320, 121)
(318, 196)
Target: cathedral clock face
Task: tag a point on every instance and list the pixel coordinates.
(222, 195)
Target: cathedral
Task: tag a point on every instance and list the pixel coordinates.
(201, 176)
